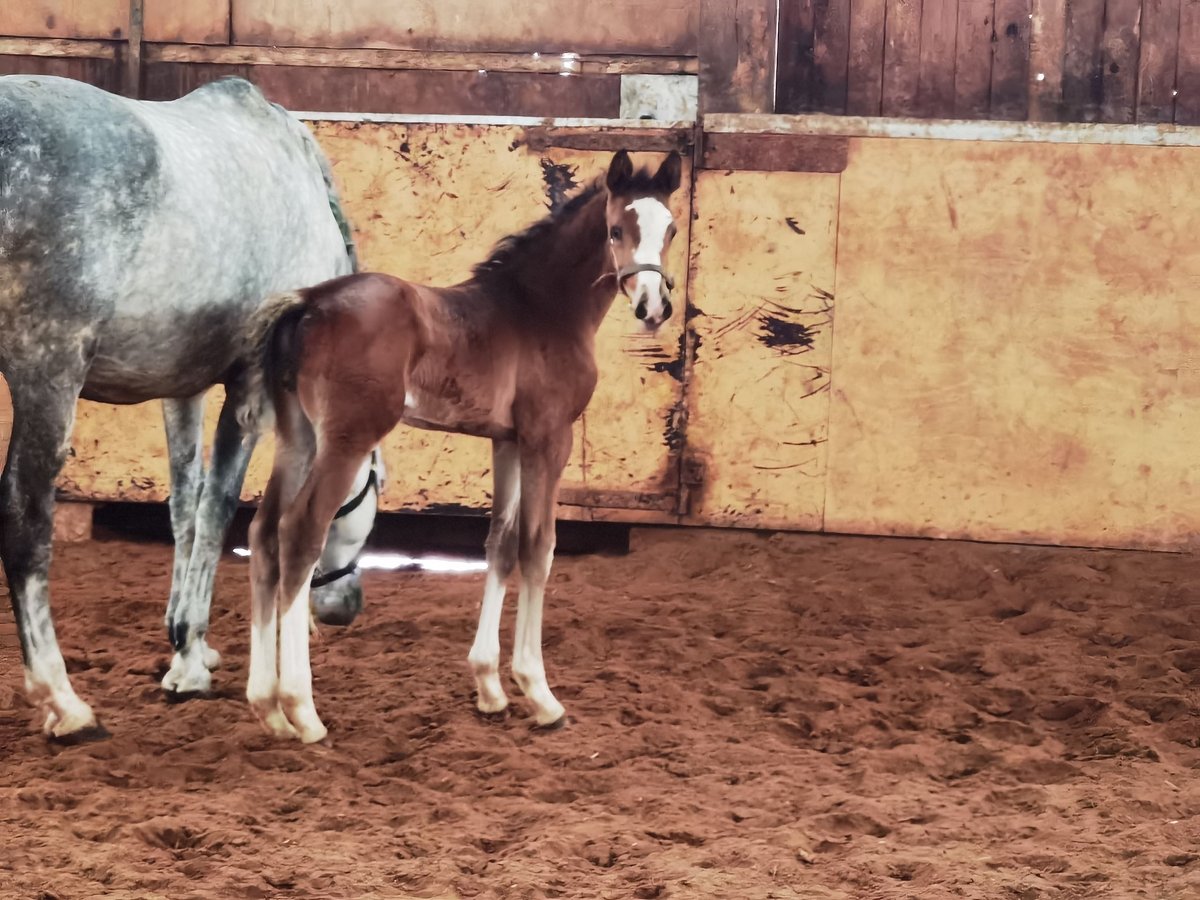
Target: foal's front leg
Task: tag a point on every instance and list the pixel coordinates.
(501, 559)
(542, 464)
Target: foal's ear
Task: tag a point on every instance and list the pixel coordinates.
(666, 179)
(620, 170)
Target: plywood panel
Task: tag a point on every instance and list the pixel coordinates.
(428, 202)
(65, 18)
(551, 26)
(193, 22)
(1017, 352)
(763, 284)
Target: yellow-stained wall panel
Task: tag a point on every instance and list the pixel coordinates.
(1017, 342)
(763, 270)
(427, 202)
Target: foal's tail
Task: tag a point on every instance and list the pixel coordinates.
(270, 358)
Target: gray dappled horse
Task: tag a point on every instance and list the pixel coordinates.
(136, 239)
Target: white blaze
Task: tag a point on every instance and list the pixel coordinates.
(653, 221)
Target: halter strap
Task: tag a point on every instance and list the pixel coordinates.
(324, 578)
(354, 503)
(634, 268)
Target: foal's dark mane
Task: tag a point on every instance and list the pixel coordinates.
(510, 253)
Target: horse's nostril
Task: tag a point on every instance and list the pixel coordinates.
(666, 310)
(640, 309)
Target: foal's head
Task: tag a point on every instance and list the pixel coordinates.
(640, 229)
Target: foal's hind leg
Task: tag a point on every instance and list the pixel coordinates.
(541, 469)
(302, 530)
(43, 413)
(217, 503)
(501, 559)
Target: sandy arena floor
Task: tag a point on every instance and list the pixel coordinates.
(754, 717)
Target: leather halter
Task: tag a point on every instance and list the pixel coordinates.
(633, 268)
(324, 578)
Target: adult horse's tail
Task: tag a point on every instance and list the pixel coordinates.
(270, 358)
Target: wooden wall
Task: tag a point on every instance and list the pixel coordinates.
(1043, 60)
(453, 57)
(992, 339)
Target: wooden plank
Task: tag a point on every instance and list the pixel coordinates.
(549, 26)
(1010, 60)
(973, 59)
(1119, 61)
(418, 59)
(371, 90)
(1187, 79)
(58, 48)
(1158, 61)
(611, 139)
(85, 19)
(132, 83)
(864, 80)
(737, 55)
(1083, 76)
(831, 54)
(935, 85)
(794, 61)
(103, 73)
(1047, 46)
(193, 22)
(902, 58)
(775, 152)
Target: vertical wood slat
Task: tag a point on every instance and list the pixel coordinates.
(794, 62)
(1158, 61)
(1120, 48)
(831, 51)
(864, 80)
(1083, 76)
(973, 59)
(133, 50)
(737, 56)
(902, 57)
(1010, 60)
(1047, 44)
(1187, 77)
(935, 79)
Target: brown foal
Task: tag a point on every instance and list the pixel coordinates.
(507, 355)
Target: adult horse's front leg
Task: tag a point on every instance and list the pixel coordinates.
(43, 413)
(214, 510)
(542, 463)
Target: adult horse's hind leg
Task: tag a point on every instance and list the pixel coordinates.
(43, 413)
(542, 464)
(501, 559)
(214, 511)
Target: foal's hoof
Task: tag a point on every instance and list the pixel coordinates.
(89, 735)
(557, 725)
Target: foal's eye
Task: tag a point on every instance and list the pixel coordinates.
(615, 232)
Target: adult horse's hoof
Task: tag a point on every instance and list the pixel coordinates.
(188, 677)
(500, 715)
(88, 735)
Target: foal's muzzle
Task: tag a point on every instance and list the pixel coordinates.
(666, 285)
